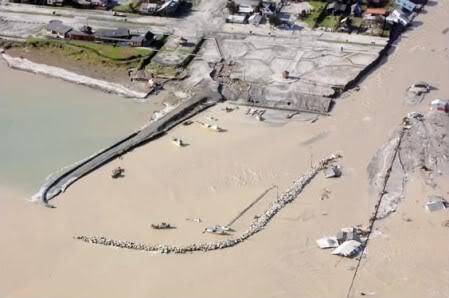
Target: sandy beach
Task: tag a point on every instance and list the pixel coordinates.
(219, 174)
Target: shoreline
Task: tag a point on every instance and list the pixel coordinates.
(69, 76)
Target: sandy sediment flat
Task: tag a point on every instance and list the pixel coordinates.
(218, 175)
(60, 73)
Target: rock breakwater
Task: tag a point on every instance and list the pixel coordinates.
(256, 226)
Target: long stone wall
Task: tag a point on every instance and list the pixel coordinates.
(256, 226)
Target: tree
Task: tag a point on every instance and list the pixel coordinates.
(232, 7)
(274, 20)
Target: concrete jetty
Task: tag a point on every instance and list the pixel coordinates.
(202, 99)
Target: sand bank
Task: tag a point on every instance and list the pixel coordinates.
(59, 73)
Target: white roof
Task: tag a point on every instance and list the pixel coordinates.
(437, 203)
(327, 242)
(347, 248)
(236, 18)
(245, 9)
(440, 102)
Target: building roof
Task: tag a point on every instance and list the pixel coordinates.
(79, 33)
(58, 27)
(149, 6)
(332, 5)
(247, 9)
(236, 18)
(255, 19)
(376, 11)
(113, 33)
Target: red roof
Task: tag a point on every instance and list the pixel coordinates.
(376, 11)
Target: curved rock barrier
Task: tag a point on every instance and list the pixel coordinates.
(59, 73)
(256, 226)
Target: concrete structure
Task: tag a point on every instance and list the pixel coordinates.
(237, 19)
(318, 65)
(58, 29)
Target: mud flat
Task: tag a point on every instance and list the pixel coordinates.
(59, 73)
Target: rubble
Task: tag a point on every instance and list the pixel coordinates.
(118, 173)
(435, 203)
(257, 225)
(212, 127)
(178, 142)
(327, 242)
(416, 92)
(350, 248)
(325, 195)
(419, 88)
(217, 229)
(420, 145)
(332, 172)
(440, 105)
(348, 242)
(163, 226)
(198, 220)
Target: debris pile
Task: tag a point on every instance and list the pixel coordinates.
(178, 142)
(333, 172)
(256, 226)
(436, 203)
(440, 105)
(212, 127)
(163, 226)
(348, 242)
(256, 113)
(217, 229)
(118, 173)
(416, 92)
(419, 146)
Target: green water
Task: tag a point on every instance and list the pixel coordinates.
(46, 124)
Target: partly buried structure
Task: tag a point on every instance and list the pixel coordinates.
(120, 36)
(299, 73)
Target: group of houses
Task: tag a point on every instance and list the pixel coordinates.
(146, 7)
(375, 15)
(91, 4)
(120, 36)
(252, 11)
(167, 7)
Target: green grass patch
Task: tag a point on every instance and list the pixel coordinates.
(357, 21)
(162, 71)
(114, 52)
(125, 8)
(390, 6)
(386, 33)
(85, 54)
(317, 8)
(330, 21)
(129, 7)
